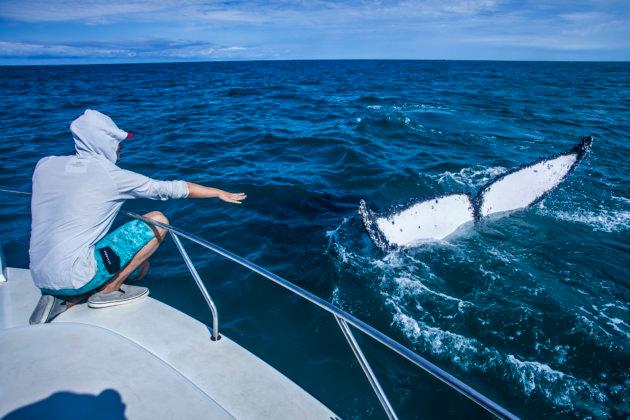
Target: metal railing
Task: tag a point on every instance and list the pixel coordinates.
(343, 318)
(202, 287)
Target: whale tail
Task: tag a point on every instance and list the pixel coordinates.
(440, 217)
(369, 222)
(582, 147)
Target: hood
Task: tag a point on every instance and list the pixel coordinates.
(95, 134)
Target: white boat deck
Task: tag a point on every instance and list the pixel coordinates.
(159, 361)
(111, 374)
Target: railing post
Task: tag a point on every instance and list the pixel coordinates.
(202, 288)
(376, 386)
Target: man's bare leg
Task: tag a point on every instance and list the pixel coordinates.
(142, 271)
(142, 255)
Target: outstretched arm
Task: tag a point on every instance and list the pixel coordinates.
(199, 191)
(132, 185)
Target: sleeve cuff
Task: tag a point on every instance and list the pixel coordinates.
(181, 189)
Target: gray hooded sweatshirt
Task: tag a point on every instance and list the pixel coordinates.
(76, 198)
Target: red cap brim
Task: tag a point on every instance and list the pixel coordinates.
(129, 135)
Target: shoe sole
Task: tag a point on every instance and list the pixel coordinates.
(58, 307)
(98, 305)
(42, 310)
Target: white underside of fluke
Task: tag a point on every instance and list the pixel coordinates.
(440, 217)
(426, 221)
(523, 187)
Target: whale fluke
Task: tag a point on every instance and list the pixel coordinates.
(440, 217)
(425, 221)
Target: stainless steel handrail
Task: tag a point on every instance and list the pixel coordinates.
(202, 287)
(367, 369)
(418, 360)
(343, 319)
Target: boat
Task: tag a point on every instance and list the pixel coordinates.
(147, 360)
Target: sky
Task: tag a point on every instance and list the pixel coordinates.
(121, 31)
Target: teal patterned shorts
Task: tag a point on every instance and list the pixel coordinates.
(121, 245)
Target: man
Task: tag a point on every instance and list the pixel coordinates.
(75, 200)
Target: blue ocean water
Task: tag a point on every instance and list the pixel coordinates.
(532, 309)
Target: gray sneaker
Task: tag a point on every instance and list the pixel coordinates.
(47, 309)
(126, 294)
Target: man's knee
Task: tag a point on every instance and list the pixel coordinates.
(159, 217)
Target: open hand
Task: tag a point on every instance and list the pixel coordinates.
(235, 198)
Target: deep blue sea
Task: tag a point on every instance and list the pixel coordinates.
(531, 309)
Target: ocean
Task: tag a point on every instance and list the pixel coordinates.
(531, 309)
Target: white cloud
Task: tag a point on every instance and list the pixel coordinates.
(100, 11)
(55, 10)
(137, 50)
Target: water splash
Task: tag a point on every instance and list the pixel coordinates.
(470, 177)
(603, 219)
(414, 288)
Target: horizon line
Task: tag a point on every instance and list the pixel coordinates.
(309, 59)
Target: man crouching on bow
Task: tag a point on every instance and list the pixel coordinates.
(75, 201)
